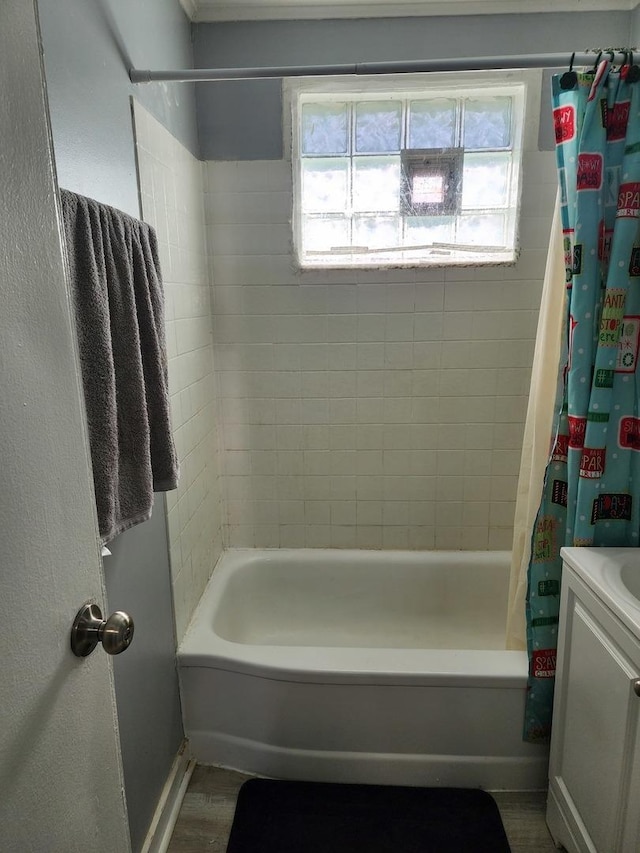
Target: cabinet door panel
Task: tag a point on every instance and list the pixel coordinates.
(598, 726)
(631, 816)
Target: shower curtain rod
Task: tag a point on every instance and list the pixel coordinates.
(478, 63)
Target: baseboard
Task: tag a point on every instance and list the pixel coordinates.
(168, 808)
(493, 773)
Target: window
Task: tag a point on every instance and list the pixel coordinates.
(422, 176)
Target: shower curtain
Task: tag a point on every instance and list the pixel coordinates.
(591, 489)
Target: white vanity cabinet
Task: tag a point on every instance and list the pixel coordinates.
(594, 770)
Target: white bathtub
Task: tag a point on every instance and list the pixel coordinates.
(359, 666)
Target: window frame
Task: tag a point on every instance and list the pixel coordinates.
(458, 85)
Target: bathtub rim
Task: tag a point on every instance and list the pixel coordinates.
(203, 647)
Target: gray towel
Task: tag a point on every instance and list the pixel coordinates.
(119, 309)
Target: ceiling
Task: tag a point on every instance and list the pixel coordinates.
(261, 10)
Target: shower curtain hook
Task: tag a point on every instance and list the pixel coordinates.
(569, 78)
(633, 75)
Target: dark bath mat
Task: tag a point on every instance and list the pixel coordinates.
(318, 817)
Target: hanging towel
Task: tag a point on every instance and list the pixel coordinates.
(119, 310)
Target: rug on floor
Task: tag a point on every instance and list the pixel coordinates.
(274, 816)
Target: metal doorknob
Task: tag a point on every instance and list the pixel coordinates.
(636, 687)
(89, 629)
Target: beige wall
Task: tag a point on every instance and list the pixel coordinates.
(171, 182)
(365, 408)
(369, 408)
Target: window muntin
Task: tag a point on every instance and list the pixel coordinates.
(350, 154)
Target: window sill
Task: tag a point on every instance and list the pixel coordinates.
(507, 259)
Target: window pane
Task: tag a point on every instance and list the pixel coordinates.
(378, 126)
(376, 232)
(428, 188)
(396, 178)
(481, 230)
(324, 233)
(324, 185)
(432, 124)
(485, 180)
(425, 230)
(324, 129)
(376, 183)
(487, 123)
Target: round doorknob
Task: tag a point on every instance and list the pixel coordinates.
(89, 629)
(636, 687)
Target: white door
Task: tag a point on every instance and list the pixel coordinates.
(60, 770)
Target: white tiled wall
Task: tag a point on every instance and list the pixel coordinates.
(373, 409)
(171, 184)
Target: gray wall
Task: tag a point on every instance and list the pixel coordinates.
(635, 28)
(243, 120)
(149, 714)
(88, 48)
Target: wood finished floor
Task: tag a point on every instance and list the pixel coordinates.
(206, 815)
